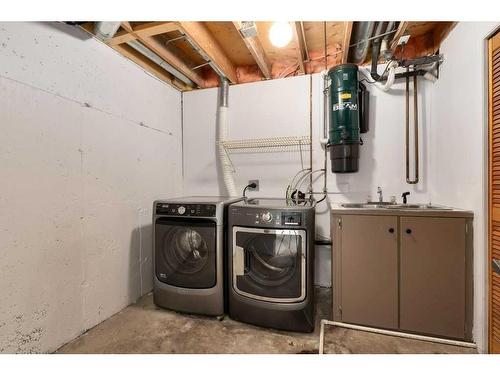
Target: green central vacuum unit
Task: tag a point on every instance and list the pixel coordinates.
(348, 117)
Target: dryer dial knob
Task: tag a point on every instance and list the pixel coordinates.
(267, 216)
(181, 210)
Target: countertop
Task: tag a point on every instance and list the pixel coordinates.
(438, 211)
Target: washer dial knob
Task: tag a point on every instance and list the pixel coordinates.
(181, 210)
(267, 216)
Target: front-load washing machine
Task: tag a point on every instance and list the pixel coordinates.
(188, 245)
(271, 263)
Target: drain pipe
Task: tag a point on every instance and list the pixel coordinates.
(225, 162)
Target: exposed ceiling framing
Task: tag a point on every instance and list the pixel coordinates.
(193, 54)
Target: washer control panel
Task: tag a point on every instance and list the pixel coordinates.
(285, 218)
(179, 209)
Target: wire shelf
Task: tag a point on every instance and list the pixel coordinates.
(268, 144)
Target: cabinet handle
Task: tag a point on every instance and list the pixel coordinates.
(408, 231)
(391, 230)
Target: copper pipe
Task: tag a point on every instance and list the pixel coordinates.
(415, 129)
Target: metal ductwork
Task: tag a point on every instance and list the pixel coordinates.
(139, 47)
(361, 32)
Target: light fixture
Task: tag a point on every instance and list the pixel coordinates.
(280, 34)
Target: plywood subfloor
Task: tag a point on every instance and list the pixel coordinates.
(145, 328)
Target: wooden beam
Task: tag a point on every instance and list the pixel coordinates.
(162, 51)
(298, 44)
(346, 40)
(201, 36)
(122, 36)
(156, 28)
(255, 47)
(148, 65)
(403, 25)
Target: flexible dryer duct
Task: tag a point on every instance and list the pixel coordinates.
(225, 163)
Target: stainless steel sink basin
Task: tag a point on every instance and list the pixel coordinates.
(389, 206)
(360, 205)
(418, 207)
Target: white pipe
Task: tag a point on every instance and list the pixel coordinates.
(225, 162)
(106, 30)
(390, 78)
(389, 333)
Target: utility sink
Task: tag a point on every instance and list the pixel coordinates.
(389, 205)
(361, 205)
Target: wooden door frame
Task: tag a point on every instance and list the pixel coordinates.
(487, 148)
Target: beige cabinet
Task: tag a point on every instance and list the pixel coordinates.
(433, 276)
(369, 270)
(401, 272)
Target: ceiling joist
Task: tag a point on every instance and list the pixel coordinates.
(162, 51)
(257, 51)
(346, 41)
(181, 50)
(297, 41)
(208, 44)
(149, 66)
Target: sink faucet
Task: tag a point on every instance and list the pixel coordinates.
(380, 196)
(405, 194)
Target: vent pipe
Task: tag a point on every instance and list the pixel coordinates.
(361, 33)
(224, 161)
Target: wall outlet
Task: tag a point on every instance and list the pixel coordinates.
(256, 182)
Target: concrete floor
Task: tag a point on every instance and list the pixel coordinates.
(145, 328)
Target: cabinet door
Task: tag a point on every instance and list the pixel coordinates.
(369, 270)
(432, 288)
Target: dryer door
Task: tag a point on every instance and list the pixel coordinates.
(185, 252)
(269, 264)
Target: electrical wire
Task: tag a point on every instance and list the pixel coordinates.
(252, 185)
(287, 192)
(299, 184)
(301, 181)
(383, 74)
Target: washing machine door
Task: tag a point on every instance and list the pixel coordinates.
(269, 264)
(185, 252)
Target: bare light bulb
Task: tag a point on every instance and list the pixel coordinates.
(280, 34)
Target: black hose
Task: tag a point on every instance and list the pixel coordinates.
(253, 185)
(322, 199)
(375, 54)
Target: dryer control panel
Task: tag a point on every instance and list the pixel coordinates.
(191, 209)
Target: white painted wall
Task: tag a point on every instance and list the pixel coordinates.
(88, 141)
(459, 119)
(453, 136)
(281, 108)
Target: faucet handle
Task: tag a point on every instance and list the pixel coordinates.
(405, 194)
